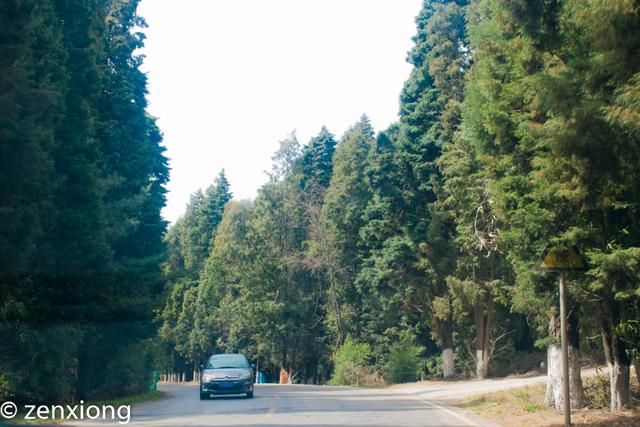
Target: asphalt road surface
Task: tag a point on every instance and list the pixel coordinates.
(296, 405)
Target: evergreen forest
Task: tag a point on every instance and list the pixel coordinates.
(82, 175)
(375, 256)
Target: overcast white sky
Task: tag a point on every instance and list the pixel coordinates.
(228, 79)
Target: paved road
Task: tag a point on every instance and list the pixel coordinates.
(296, 405)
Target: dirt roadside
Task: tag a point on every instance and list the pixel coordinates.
(518, 401)
(456, 390)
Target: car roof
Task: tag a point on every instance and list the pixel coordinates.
(228, 354)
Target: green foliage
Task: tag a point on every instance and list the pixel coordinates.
(546, 114)
(126, 375)
(83, 174)
(253, 289)
(351, 363)
(433, 366)
(429, 119)
(348, 192)
(404, 363)
(316, 162)
(340, 221)
(518, 129)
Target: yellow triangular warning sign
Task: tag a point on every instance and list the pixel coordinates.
(562, 259)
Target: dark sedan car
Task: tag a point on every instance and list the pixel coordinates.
(226, 374)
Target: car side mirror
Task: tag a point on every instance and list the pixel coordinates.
(253, 366)
(202, 366)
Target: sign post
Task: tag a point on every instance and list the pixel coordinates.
(560, 261)
(566, 396)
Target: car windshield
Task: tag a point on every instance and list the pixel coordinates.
(227, 361)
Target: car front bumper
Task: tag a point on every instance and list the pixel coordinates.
(227, 387)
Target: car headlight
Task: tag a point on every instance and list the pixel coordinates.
(245, 376)
(208, 377)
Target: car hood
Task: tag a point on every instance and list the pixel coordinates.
(230, 373)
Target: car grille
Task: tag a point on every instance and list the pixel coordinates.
(226, 386)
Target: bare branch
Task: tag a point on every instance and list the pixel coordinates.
(485, 225)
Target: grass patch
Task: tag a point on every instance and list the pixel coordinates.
(524, 400)
(148, 396)
(531, 407)
(524, 407)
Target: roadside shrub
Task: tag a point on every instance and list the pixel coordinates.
(433, 365)
(129, 372)
(5, 393)
(511, 361)
(352, 364)
(49, 373)
(404, 362)
(371, 378)
(597, 391)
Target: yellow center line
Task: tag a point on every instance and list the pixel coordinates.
(271, 411)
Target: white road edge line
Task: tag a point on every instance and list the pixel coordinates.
(450, 412)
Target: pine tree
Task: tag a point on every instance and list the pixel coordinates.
(33, 85)
(317, 162)
(190, 244)
(381, 283)
(502, 124)
(85, 285)
(209, 216)
(34, 80)
(429, 116)
(340, 223)
(593, 161)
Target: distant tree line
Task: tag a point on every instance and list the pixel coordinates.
(519, 129)
(82, 172)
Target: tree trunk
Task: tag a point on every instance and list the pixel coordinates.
(553, 394)
(483, 320)
(616, 356)
(448, 368)
(618, 364)
(336, 307)
(482, 363)
(446, 338)
(576, 391)
(620, 391)
(636, 367)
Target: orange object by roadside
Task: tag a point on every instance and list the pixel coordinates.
(284, 376)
